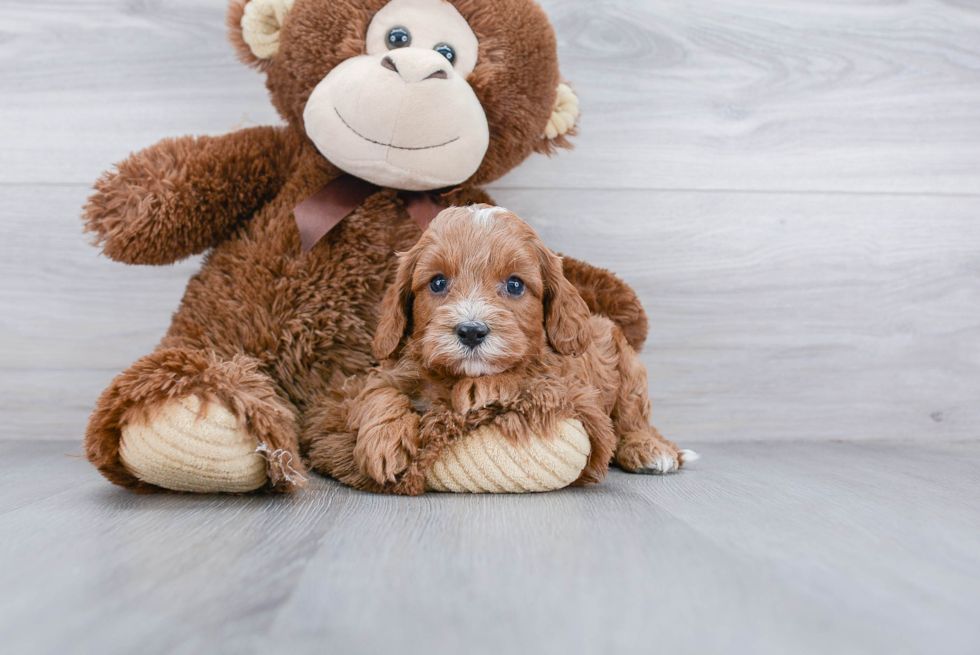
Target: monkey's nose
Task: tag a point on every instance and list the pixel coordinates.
(389, 63)
(472, 334)
(416, 67)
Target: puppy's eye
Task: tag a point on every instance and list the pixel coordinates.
(515, 286)
(399, 37)
(438, 284)
(446, 51)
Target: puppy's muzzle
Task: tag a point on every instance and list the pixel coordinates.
(472, 333)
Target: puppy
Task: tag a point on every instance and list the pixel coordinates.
(481, 326)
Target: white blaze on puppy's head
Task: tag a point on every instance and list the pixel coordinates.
(484, 215)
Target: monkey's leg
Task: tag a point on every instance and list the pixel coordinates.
(185, 420)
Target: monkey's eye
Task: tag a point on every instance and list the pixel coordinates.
(446, 51)
(399, 37)
(515, 286)
(438, 284)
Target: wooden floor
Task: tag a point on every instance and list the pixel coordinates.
(758, 548)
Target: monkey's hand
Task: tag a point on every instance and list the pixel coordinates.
(609, 296)
(183, 196)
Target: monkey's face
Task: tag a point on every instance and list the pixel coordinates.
(403, 115)
(412, 94)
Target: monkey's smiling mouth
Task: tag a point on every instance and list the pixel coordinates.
(390, 145)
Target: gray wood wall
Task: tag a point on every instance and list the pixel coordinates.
(793, 188)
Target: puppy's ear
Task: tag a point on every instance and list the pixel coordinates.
(395, 322)
(566, 316)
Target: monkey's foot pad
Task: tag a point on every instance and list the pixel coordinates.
(184, 448)
(485, 462)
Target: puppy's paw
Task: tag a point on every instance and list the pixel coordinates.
(661, 463)
(384, 450)
(648, 452)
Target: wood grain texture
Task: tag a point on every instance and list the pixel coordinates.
(757, 548)
(86, 83)
(773, 316)
(801, 95)
(796, 315)
(860, 96)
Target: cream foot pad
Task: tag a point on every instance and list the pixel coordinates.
(181, 450)
(485, 462)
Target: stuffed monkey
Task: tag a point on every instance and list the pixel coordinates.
(392, 110)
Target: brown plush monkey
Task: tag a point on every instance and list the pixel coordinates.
(392, 109)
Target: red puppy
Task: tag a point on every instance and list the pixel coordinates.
(481, 325)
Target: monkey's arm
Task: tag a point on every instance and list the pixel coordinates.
(183, 196)
(606, 294)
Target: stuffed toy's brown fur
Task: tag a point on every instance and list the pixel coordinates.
(264, 327)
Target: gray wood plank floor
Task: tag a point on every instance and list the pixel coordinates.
(758, 548)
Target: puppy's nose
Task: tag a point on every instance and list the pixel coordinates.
(472, 334)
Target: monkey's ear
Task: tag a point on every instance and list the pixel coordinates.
(254, 27)
(561, 124)
(395, 321)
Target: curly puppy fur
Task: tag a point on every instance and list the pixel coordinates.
(540, 357)
(264, 328)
